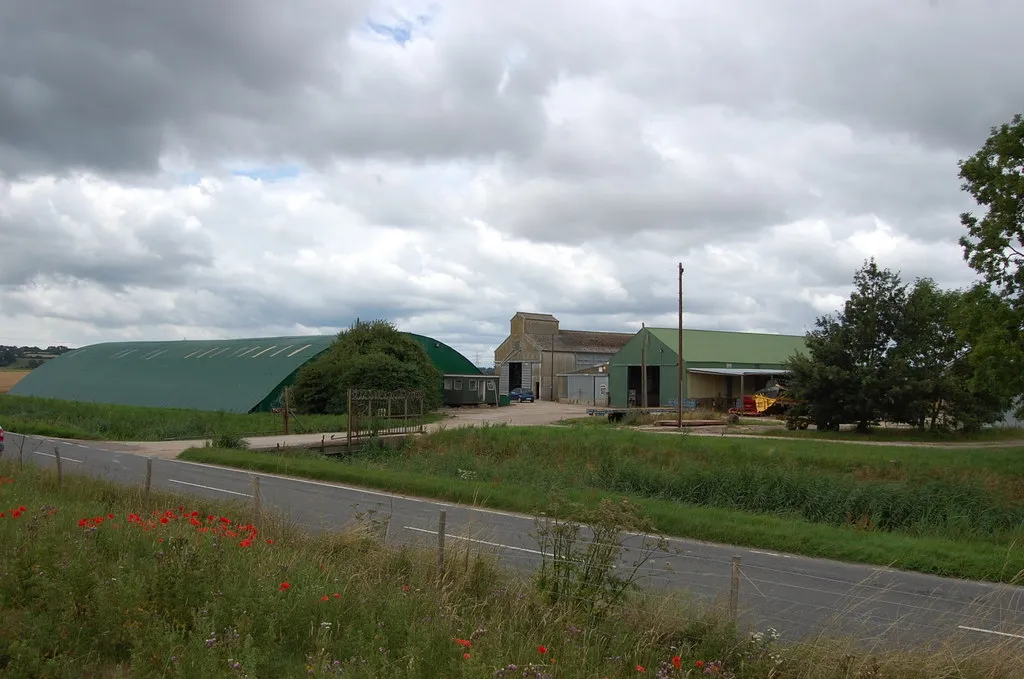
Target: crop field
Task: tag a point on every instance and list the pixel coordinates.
(102, 581)
(8, 378)
(97, 421)
(948, 512)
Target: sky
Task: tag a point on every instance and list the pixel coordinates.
(200, 170)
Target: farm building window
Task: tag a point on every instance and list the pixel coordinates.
(448, 383)
(458, 384)
(490, 386)
(472, 385)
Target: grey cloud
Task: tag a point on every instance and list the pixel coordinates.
(64, 236)
(113, 84)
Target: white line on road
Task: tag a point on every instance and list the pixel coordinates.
(197, 485)
(63, 458)
(991, 631)
(482, 542)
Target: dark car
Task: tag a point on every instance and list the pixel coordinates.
(522, 395)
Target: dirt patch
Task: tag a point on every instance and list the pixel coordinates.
(8, 378)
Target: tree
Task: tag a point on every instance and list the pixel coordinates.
(372, 355)
(994, 176)
(994, 247)
(897, 353)
(847, 377)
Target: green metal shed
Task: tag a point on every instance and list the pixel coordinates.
(720, 366)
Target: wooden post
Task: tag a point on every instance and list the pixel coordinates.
(349, 419)
(679, 384)
(286, 411)
(440, 544)
(734, 589)
(257, 501)
(60, 474)
(149, 476)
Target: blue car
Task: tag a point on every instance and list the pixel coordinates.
(522, 395)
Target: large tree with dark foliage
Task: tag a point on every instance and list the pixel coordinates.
(993, 246)
(898, 353)
(372, 355)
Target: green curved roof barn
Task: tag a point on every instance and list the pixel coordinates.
(236, 375)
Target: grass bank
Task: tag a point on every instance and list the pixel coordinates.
(953, 513)
(97, 421)
(101, 584)
(901, 435)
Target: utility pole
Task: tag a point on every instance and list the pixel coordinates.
(679, 395)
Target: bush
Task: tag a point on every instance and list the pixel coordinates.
(367, 356)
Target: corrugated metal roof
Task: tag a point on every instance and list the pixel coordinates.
(447, 360)
(734, 372)
(235, 375)
(720, 346)
(583, 341)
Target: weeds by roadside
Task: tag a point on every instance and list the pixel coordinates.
(98, 584)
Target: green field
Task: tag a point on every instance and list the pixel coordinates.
(897, 435)
(948, 512)
(101, 582)
(98, 421)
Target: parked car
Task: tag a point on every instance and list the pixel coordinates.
(1, 439)
(521, 394)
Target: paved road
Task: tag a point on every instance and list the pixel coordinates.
(796, 595)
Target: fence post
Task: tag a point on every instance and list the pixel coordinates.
(21, 453)
(257, 501)
(60, 474)
(149, 477)
(734, 589)
(286, 411)
(440, 544)
(348, 421)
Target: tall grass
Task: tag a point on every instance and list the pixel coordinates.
(98, 421)
(99, 584)
(955, 513)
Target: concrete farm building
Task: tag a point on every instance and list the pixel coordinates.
(236, 375)
(720, 367)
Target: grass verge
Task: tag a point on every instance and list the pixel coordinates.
(947, 513)
(101, 583)
(901, 435)
(98, 421)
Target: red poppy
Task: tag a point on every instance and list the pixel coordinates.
(245, 543)
(640, 668)
(163, 519)
(677, 662)
(699, 663)
(542, 649)
(285, 586)
(269, 541)
(464, 642)
(465, 656)
(21, 508)
(336, 595)
(110, 516)
(325, 598)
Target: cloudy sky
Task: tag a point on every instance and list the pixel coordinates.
(222, 169)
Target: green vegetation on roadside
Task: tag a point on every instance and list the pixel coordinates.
(102, 582)
(955, 513)
(900, 435)
(100, 421)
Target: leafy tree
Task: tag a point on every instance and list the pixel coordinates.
(994, 243)
(994, 247)
(372, 355)
(846, 376)
(900, 354)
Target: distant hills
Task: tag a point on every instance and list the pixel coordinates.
(27, 358)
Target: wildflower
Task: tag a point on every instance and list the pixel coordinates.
(677, 662)
(163, 519)
(699, 664)
(336, 595)
(269, 541)
(465, 656)
(110, 516)
(285, 586)
(542, 649)
(405, 588)
(325, 598)
(640, 668)
(245, 543)
(464, 642)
